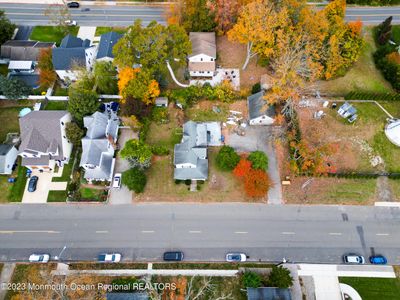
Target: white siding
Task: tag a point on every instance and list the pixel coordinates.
(201, 58)
(10, 160)
(66, 146)
(262, 120)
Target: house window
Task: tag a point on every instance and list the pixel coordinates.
(212, 59)
(62, 123)
(64, 137)
(201, 59)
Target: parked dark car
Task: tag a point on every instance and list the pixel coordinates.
(73, 5)
(32, 183)
(173, 256)
(378, 260)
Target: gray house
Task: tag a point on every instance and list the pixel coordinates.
(23, 50)
(106, 45)
(268, 293)
(98, 145)
(8, 155)
(190, 156)
(260, 113)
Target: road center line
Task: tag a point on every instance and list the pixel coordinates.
(147, 231)
(101, 231)
(194, 231)
(288, 232)
(27, 231)
(335, 233)
(382, 234)
(241, 232)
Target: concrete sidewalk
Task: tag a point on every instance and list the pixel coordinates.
(5, 277)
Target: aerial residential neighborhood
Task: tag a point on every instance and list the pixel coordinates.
(200, 150)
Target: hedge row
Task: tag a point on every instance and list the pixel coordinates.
(372, 96)
(374, 2)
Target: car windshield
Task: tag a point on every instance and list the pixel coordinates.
(234, 257)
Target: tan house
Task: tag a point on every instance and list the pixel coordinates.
(204, 54)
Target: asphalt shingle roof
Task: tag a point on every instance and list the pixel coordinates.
(71, 41)
(203, 43)
(65, 58)
(107, 42)
(257, 106)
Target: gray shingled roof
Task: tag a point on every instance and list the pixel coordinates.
(92, 150)
(104, 172)
(41, 131)
(198, 173)
(4, 149)
(203, 43)
(257, 106)
(71, 41)
(107, 42)
(101, 124)
(65, 58)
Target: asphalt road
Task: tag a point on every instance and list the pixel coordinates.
(203, 232)
(32, 14)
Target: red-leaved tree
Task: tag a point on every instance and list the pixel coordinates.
(257, 183)
(242, 168)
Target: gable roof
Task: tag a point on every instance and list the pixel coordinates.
(257, 106)
(203, 43)
(4, 149)
(41, 131)
(99, 125)
(65, 58)
(71, 41)
(107, 42)
(23, 50)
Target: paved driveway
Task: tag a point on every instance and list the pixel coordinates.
(44, 185)
(87, 32)
(261, 138)
(122, 195)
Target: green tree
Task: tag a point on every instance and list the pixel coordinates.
(82, 102)
(105, 76)
(251, 279)
(6, 28)
(280, 277)
(151, 47)
(137, 153)
(134, 179)
(193, 15)
(13, 88)
(227, 158)
(74, 133)
(259, 160)
(142, 87)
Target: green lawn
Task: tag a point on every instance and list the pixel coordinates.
(208, 115)
(362, 76)
(101, 30)
(396, 33)
(17, 189)
(59, 91)
(67, 171)
(374, 288)
(91, 194)
(9, 121)
(56, 105)
(4, 69)
(395, 187)
(388, 151)
(57, 196)
(51, 33)
(351, 191)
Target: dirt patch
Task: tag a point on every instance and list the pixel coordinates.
(233, 55)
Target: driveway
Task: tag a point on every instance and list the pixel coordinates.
(44, 185)
(122, 195)
(260, 138)
(87, 32)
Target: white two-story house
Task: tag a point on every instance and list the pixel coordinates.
(204, 53)
(98, 145)
(72, 53)
(44, 142)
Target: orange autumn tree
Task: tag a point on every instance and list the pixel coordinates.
(242, 168)
(137, 84)
(256, 183)
(47, 75)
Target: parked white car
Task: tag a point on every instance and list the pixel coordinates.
(70, 23)
(117, 181)
(39, 258)
(110, 257)
(236, 257)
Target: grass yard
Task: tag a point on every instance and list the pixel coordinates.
(5, 188)
(9, 120)
(57, 196)
(210, 266)
(362, 76)
(331, 191)
(51, 33)
(220, 186)
(91, 194)
(101, 30)
(67, 169)
(17, 189)
(59, 91)
(4, 69)
(102, 266)
(56, 105)
(374, 288)
(396, 33)
(395, 187)
(203, 112)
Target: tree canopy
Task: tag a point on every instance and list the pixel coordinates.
(105, 76)
(134, 179)
(227, 158)
(13, 88)
(6, 28)
(74, 133)
(150, 47)
(137, 153)
(82, 101)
